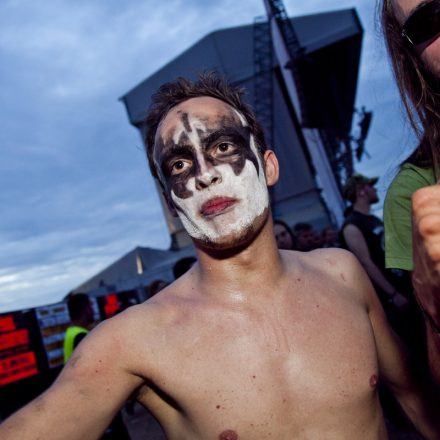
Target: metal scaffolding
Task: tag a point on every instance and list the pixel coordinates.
(263, 85)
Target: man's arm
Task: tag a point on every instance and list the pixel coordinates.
(88, 393)
(426, 274)
(356, 243)
(416, 395)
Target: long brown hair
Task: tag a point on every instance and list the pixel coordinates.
(419, 90)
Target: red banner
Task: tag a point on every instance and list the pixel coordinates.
(17, 367)
(7, 323)
(14, 339)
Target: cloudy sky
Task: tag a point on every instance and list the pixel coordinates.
(75, 193)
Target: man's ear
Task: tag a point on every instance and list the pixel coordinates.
(170, 204)
(271, 167)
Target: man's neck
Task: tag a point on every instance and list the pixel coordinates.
(242, 273)
(362, 206)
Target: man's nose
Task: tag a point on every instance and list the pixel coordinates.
(208, 175)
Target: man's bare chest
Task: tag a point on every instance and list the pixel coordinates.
(267, 367)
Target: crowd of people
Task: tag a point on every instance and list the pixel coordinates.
(304, 237)
(253, 340)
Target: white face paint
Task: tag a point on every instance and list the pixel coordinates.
(247, 190)
(250, 190)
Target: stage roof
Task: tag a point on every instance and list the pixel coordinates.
(230, 52)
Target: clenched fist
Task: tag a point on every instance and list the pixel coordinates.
(426, 249)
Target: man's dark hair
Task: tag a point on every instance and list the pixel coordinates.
(156, 286)
(300, 227)
(419, 90)
(208, 84)
(77, 304)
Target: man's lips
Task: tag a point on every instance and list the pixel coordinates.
(217, 205)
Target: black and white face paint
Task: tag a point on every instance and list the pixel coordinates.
(208, 162)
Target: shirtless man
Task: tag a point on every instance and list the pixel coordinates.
(252, 342)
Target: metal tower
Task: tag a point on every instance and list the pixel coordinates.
(263, 87)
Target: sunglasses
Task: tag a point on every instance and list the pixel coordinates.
(423, 24)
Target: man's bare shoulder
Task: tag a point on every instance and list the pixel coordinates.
(161, 310)
(328, 260)
(338, 267)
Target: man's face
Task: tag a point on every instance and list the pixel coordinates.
(371, 192)
(213, 176)
(282, 237)
(307, 240)
(429, 51)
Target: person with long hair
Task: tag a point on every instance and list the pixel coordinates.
(412, 207)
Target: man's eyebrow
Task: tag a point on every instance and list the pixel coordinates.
(176, 150)
(231, 132)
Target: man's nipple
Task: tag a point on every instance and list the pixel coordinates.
(228, 435)
(374, 380)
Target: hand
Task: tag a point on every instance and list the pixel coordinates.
(426, 249)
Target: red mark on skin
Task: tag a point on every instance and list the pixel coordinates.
(373, 381)
(228, 435)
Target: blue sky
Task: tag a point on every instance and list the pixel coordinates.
(74, 188)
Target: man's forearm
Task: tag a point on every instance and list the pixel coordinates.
(424, 417)
(421, 404)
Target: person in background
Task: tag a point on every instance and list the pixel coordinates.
(182, 266)
(283, 235)
(330, 237)
(156, 286)
(411, 212)
(362, 234)
(81, 316)
(306, 237)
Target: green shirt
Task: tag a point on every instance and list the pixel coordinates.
(397, 215)
(69, 340)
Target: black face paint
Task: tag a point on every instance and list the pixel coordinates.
(225, 131)
(185, 122)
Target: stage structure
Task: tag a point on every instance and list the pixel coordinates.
(301, 77)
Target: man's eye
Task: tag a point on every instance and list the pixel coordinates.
(225, 147)
(179, 167)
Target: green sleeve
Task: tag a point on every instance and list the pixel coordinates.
(397, 215)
